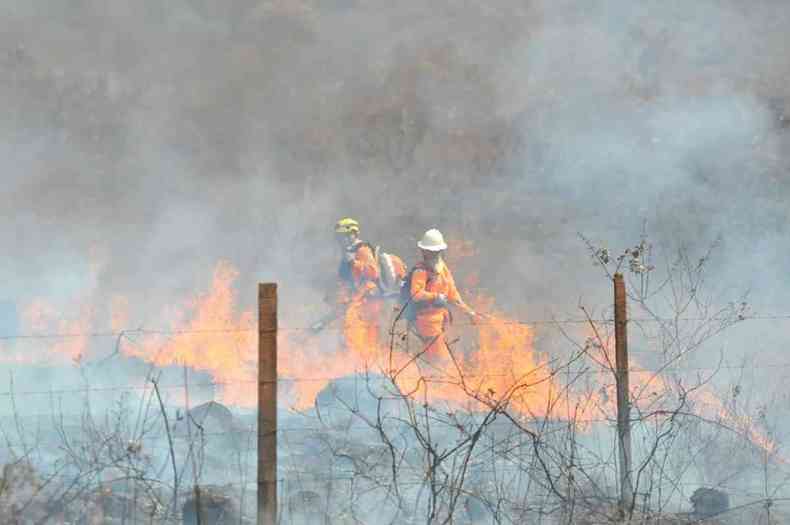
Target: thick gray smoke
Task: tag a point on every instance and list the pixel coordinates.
(169, 136)
(151, 139)
(154, 140)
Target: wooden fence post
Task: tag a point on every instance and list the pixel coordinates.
(267, 404)
(623, 401)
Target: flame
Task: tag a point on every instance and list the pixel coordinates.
(40, 317)
(653, 393)
(489, 363)
(208, 335)
(502, 366)
(710, 406)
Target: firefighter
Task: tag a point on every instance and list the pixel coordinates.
(433, 290)
(358, 276)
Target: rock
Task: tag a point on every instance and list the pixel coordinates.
(709, 502)
(212, 417)
(218, 508)
(350, 403)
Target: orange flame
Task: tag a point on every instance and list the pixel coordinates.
(495, 361)
(649, 391)
(42, 318)
(710, 406)
(502, 366)
(210, 336)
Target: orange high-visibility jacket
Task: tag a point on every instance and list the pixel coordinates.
(358, 277)
(426, 285)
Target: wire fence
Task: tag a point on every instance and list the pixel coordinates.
(296, 328)
(344, 465)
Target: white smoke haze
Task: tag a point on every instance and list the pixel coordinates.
(142, 143)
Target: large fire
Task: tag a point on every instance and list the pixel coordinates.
(208, 334)
(490, 362)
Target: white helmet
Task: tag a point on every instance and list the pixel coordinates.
(433, 241)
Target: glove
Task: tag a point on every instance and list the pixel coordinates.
(350, 257)
(440, 301)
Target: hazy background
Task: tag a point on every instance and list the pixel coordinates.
(143, 142)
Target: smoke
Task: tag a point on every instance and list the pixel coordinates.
(172, 136)
(142, 143)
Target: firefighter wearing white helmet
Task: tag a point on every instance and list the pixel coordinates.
(433, 290)
(432, 241)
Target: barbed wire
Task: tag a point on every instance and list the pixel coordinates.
(286, 328)
(362, 375)
(124, 332)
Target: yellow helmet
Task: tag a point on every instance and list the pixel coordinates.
(347, 225)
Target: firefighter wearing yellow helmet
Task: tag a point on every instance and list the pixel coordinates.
(358, 277)
(347, 225)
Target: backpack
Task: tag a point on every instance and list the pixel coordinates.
(407, 308)
(392, 269)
